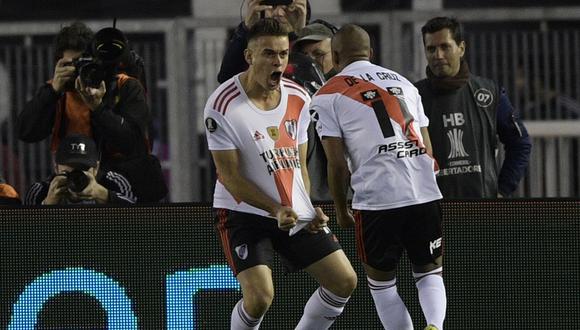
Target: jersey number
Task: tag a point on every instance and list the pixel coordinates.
(385, 121)
(383, 118)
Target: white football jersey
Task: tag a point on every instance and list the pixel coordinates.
(267, 142)
(378, 114)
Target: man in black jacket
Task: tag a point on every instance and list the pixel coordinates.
(467, 114)
(114, 113)
(294, 16)
(77, 179)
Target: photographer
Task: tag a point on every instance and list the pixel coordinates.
(77, 180)
(293, 14)
(89, 95)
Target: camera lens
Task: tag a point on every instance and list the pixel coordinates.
(77, 180)
(91, 74)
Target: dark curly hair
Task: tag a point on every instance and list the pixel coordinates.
(76, 36)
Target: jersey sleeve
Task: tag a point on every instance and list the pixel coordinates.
(422, 119)
(323, 113)
(304, 122)
(219, 133)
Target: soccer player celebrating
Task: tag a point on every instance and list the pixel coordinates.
(374, 116)
(256, 126)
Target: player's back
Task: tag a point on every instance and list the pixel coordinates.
(379, 115)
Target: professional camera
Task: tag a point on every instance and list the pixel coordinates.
(107, 50)
(90, 71)
(76, 180)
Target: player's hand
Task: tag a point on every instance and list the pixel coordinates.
(93, 97)
(296, 14)
(286, 217)
(57, 190)
(345, 218)
(253, 14)
(63, 72)
(319, 222)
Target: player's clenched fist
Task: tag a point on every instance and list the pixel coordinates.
(286, 217)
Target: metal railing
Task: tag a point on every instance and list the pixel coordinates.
(183, 57)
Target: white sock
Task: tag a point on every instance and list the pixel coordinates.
(432, 296)
(321, 310)
(391, 309)
(241, 320)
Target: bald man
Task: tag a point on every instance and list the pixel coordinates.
(374, 131)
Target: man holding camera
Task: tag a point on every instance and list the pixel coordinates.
(77, 180)
(293, 14)
(101, 103)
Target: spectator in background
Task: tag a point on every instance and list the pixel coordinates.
(8, 195)
(314, 41)
(257, 139)
(114, 113)
(294, 17)
(467, 113)
(77, 180)
(373, 117)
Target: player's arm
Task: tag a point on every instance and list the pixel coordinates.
(427, 140)
(227, 163)
(303, 151)
(338, 178)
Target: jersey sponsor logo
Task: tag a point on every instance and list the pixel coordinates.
(402, 149)
(242, 251)
(291, 128)
(434, 245)
(457, 150)
(211, 124)
(280, 158)
(483, 97)
(258, 136)
(370, 95)
(273, 132)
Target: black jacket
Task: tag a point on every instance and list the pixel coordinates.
(234, 61)
(119, 125)
(120, 191)
(464, 133)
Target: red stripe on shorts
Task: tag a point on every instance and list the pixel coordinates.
(224, 237)
(360, 245)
